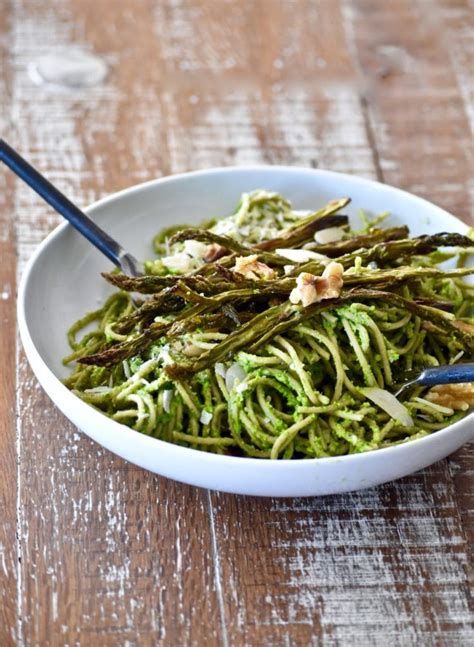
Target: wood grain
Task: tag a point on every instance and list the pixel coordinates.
(367, 568)
(418, 114)
(361, 569)
(106, 549)
(107, 554)
(8, 489)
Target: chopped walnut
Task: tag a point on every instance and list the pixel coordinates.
(187, 348)
(214, 252)
(251, 268)
(455, 396)
(311, 289)
(429, 327)
(465, 326)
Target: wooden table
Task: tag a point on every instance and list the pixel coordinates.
(96, 552)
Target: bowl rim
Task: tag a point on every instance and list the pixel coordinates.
(49, 381)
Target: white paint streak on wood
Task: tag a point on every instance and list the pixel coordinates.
(3, 561)
(455, 24)
(409, 113)
(217, 571)
(325, 129)
(45, 122)
(188, 47)
(6, 292)
(223, 135)
(21, 531)
(222, 130)
(336, 557)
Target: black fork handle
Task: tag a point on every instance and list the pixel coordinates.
(61, 204)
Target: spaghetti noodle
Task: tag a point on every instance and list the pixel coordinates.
(225, 362)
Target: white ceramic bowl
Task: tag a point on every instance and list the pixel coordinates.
(62, 281)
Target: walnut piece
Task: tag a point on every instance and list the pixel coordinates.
(311, 289)
(455, 396)
(465, 326)
(187, 348)
(252, 268)
(214, 252)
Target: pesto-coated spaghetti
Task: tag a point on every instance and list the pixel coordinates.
(280, 334)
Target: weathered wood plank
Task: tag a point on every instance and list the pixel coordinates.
(420, 81)
(416, 110)
(108, 551)
(388, 565)
(8, 555)
(383, 566)
(246, 89)
(454, 23)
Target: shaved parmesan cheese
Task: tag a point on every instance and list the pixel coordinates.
(226, 226)
(302, 213)
(220, 369)
(389, 403)
(234, 375)
(164, 355)
(195, 249)
(206, 417)
(240, 388)
(98, 389)
(178, 262)
(126, 369)
(302, 255)
(329, 235)
(167, 397)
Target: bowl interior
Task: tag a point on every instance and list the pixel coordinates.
(63, 278)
